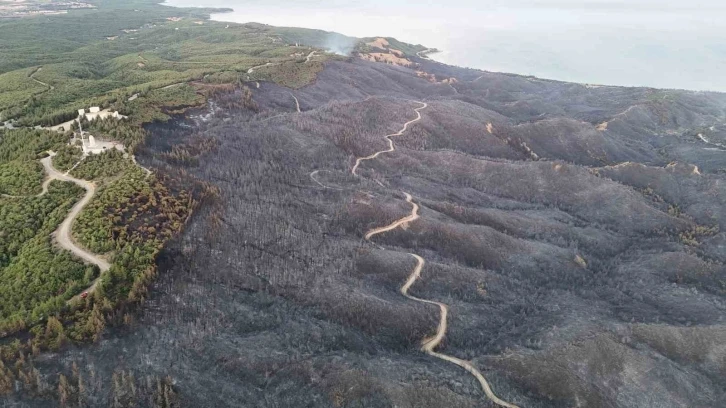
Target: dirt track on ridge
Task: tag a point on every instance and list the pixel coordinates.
(391, 146)
(429, 344)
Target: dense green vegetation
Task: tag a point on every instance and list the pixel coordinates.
(27, 144)
(20, 172)
(26, 42)
(66, 157)
(20, 178)
(156, 105)
(133, 209)
(122, 131)
(45, 80)
(135, 60)
(35, 278)
(132, 58)
(107, 164)
(294, 74)
(80, 68)
(132, 215)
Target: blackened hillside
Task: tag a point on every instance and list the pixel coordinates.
(574, 232)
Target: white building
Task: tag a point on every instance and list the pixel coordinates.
(92, 146)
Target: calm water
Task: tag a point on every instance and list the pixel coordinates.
(659, 43)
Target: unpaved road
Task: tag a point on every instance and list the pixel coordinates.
(604, 126)
(430, 344)
(147, 171)
(409, 218)
(719, 146)
(391, 147)
(173, 85)
(32, 76)
(297, 103)
(314, 177)
(251, 70)
(269, 64)
(63, 233)
(46, 182)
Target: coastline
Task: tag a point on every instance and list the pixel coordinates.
(427, 52)
(228, 14)
(514, 49)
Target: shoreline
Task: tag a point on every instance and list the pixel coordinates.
(452, 54)
(217, 14)
(427, 52)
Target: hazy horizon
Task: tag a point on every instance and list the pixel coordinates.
(664, 44)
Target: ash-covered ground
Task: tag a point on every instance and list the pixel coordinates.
(574, 232)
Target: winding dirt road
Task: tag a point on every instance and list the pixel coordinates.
(43, 192)
(604, 125)
(63, 233)
(297, 103)
(313, 176)
(173, 85)
(396, 224)
(718, 146)
(147, 171)
(32, 76)
(391, 147)
(429, 344)
(315, 179)
(269, 64)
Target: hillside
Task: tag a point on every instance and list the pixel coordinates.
(370, 232)
(580, 264)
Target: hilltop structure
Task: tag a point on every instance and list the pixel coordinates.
(89, 144)
(92, 146)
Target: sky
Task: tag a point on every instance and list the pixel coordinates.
(659, 43)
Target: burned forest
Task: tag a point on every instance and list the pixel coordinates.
(573, 234)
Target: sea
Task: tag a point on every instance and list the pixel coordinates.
(656, 43)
